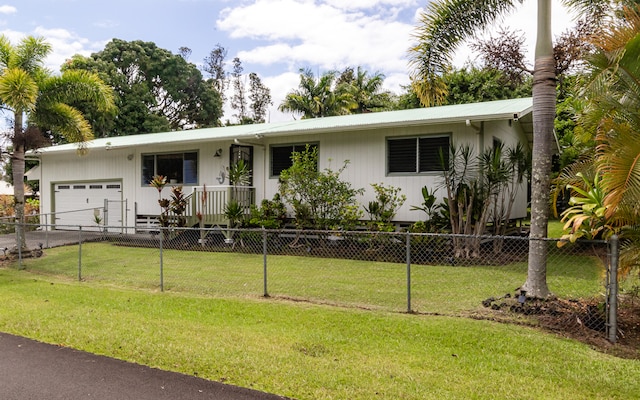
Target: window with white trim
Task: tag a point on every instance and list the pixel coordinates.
(178, 168)
(281, 156)
(414, 155)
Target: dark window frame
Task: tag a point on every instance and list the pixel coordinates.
(187, 174)
(284, 152)
(416, 155)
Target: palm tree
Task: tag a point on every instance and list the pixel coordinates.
(41, 102)
(444, 25)
(366, 89)
(611, 111)
(315, 99)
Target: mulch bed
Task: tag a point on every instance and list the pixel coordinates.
(583, 320)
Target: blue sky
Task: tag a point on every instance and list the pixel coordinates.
(274, 38)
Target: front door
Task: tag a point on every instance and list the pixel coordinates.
(245, 153)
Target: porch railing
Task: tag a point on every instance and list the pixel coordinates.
(210, 202)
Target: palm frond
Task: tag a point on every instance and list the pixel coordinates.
(443, 26)
(18, 90)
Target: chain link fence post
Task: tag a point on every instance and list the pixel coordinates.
(80, 253)
(264, 261)
(612, 326)
(161, 236)
(408, 259)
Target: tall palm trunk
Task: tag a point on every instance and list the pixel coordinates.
(544, 109)
(17, 164)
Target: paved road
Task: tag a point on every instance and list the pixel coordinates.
(31, 370)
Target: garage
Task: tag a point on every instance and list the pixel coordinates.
(78, 203)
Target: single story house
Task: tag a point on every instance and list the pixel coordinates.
(395, 148)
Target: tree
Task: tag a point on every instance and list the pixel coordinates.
(612, 100)
(447, 23)
(471, 84)
(366, 89)
(239, 99)
(318, 98)
(41, 102)
(214, 65)
(260, 97)
(155, 90)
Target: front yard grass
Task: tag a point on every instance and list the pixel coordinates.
(443, 289)
(308, 351)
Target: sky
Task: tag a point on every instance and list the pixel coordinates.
(273, 38)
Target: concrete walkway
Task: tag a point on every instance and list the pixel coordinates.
(31, 370)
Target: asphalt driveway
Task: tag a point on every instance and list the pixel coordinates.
(31, 370)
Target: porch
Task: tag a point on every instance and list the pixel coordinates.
(204, 207)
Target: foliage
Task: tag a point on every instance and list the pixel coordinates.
(382, 210)
(320, 199)
(611, 100)
(471, 84)
(214, 66)
(239, 98)
(42, 102)
(319, 98)
(366, 90)
(260, 98)
(480, 188)
(171, 210)
(271, 214)
(234, 212)
(239, 173)
(587, 218)
(435, 219)
(156, 90)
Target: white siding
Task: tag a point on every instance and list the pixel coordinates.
(365, 149)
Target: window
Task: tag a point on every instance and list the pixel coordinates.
(281, 156)
(417, 154)
(179, 168)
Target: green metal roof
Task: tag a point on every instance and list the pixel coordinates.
(475, 112)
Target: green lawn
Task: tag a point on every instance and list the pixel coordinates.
(310, 351)
(434, 289)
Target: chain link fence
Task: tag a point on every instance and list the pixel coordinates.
(399, 272)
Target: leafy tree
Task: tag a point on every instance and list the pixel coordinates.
(319, 98)
(155, 90)
(214, 65)
(260, 97)
(447, 23)
(471, 84)
(239, 99)
(320, 199)
(42, 102)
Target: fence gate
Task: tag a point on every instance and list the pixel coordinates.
(115, 215)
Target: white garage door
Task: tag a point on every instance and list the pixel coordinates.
(78, 203)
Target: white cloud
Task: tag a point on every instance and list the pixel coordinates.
(6, 9)
(65, 44)
(324, 35)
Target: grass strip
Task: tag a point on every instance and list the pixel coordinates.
(309, 351)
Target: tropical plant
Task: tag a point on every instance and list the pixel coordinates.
(612, 100)
(318, 98)
(42, 102)
(444, 25)
(384, 208)
(366, 89)
(587, 218)
(271, 214)
(435, 219)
